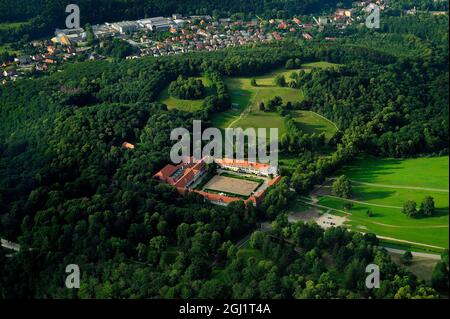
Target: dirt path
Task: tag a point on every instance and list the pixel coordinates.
(245, 112)
(382, 237)
(323, 117)
(364, 203)
(402, 187)
(410, 242)
(312, 203)
(420, 227)
(415, 254)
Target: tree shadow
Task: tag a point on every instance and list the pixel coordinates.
(378, 167)
(374, 195)
(439, 212)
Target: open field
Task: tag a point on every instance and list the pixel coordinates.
(382, 186)
(310, 122)
(420, 266)
(431, 172)
(245, 97)
(11, 25)
(320, 65)
(231, 185)
(184, 105)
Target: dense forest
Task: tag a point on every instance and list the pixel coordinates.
(70, 194)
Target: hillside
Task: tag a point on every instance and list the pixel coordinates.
(80, 144)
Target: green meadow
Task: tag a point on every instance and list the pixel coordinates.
(383, 185)
(246, 98)
(310, 122)
(430, 172)
(12, 25)
(184, 105)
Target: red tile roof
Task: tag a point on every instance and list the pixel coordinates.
(165, 173)
(192, 169)
(127, 145)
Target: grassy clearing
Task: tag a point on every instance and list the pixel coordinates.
(420, 266)
(12, 25)
(393, 223)
(184, 105)
(420, 172)
(410, 247)
(392, 182)
(246, 98)
(361, 223)
(310, 122)
(320, 65)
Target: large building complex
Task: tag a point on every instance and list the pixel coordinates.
(229, 181)
(156, 24)
(125, 26)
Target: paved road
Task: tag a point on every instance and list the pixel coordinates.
(415, 254)
(313, 201)
(381, 237)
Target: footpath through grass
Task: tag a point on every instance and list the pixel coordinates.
(390, 183)
(245, 112)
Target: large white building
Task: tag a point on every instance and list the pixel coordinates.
(73, 35)
(125, 26)
(102, 31)
(156, 23)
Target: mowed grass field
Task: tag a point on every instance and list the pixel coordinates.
(383, 185)
(246, 98)
(310, 122)
(184, 105)
(11, 25)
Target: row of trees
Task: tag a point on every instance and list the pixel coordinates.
(220, 100)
